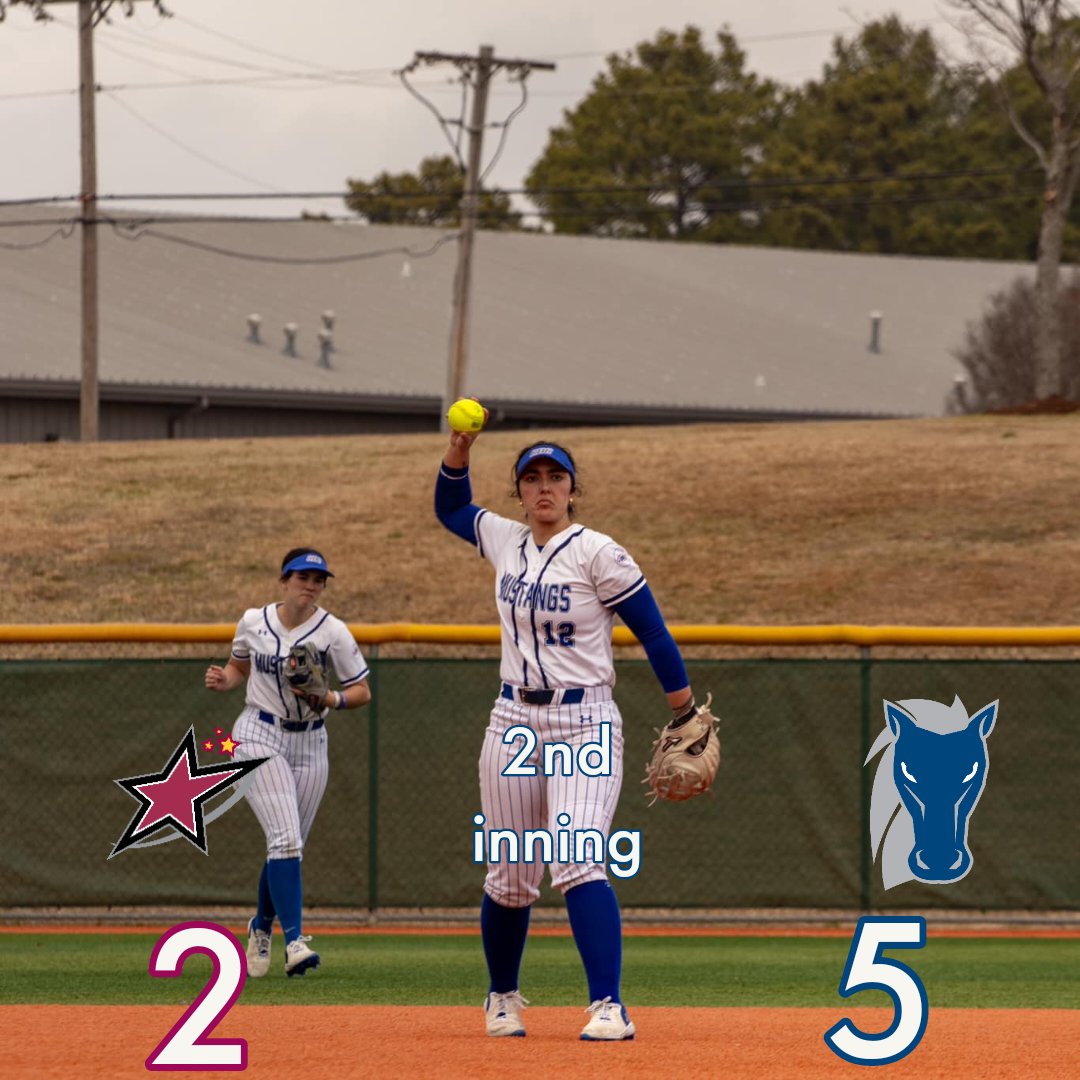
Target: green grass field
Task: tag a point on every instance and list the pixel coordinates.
(104, 969)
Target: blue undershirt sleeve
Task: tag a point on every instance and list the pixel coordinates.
(453, 502)
(643, 617)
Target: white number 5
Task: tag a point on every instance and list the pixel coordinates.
(866, 970)
(185, 1046)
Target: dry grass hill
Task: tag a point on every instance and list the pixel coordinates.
(965, 521)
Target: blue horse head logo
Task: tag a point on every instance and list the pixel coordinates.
(927, 785)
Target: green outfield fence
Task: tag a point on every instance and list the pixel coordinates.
(786, 825)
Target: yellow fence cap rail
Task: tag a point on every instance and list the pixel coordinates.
(449, 634)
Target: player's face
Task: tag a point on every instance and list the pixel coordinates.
(303, 588)
(545, 488)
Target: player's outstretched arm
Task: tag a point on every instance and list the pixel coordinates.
(457, 453)
(453, 492)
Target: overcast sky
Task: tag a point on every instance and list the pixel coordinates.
(243, 135)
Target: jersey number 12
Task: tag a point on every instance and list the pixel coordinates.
(565, 630)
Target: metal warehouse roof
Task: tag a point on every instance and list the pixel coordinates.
(555, 318)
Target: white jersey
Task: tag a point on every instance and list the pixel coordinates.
(262, 641)
(555, 604)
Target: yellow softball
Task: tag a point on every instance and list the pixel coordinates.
(466, 415)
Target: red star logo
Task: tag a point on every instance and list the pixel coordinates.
(176, 795)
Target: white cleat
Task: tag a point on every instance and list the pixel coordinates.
(609, 1022)
(502, 1012)
(258, 952)
(299, 958)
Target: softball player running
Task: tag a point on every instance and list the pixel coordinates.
(277, 723)
(558, 588)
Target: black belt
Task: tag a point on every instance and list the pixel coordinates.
(573, 696)
(290, 725)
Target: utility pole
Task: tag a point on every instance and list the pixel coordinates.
(482, 67)
(90, 13)
(470, 206)
(88, 393)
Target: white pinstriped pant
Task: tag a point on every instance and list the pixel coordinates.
(286, 791)
(534, 802)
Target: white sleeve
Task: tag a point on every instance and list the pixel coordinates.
(615, 574)
(241, 645)
(349, 663)
(494, 533)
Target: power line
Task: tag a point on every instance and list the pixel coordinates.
(317, 73)
(504, 125)
(26, 95)
(748, 184)
(187, 21)
(134, 231)
(443, 121)
(65, 230)
(344, 78)
(349, 79)
(189, 149)
(131, 37)
(157, 65)
(36, 200)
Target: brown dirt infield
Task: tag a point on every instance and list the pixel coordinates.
(45, 1042)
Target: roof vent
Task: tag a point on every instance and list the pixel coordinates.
(291, 330)
(254, 322)
(326, 347)
(875, 332)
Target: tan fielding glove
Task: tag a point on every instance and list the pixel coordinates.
(685, 756)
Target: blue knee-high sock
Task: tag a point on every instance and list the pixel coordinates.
(597, 925)
(287, 894)
(265, 912)
(503, 931)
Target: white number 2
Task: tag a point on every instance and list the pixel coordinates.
(867, 970)
(518, 766)
(185, 1046)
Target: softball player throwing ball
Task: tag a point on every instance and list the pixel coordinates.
(279, 723)
(559, 586)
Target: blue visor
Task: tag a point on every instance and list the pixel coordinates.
(310, 561)
(553, 453)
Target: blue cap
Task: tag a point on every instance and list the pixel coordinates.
(311, 561)
(555, 453)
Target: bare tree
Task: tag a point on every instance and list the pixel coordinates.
(1043, 35)
(997, 355)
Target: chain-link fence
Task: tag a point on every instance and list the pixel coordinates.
(786, 825)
